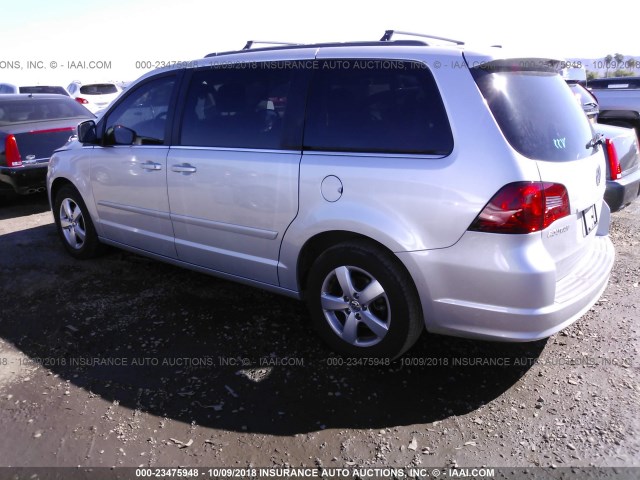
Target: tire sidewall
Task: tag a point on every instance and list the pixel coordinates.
(398, 288)
(91, 243)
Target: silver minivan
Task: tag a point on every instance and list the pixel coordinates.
(391, 185)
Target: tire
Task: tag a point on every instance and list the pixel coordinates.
(74, 224)
(363, 302)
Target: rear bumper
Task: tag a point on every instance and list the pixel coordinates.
(623, 191)
(500, 289)
(24, 180)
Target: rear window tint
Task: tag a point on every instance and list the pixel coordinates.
(44, 89)
(98, 89)
(376, 106)
(537, 113)
(37, 109)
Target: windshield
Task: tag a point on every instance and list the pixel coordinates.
(537, 112)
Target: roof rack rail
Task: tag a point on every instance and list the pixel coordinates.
(250, 43)
(389, 33)
(285, 46)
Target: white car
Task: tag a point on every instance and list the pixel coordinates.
(94, 96)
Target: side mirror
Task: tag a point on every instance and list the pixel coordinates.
(123, 135)
(87, 132)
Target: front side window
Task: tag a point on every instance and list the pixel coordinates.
(144, 111)
(245, 106)
(381, 106)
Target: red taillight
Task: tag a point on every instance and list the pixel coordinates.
(614, 163)
(523, 207)
(82, 100)
(11, 152)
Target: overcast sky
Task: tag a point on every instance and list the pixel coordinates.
(45, 42)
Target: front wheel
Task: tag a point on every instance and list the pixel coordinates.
(74, 224)
(362, 302)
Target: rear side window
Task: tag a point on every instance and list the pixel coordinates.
(376, 106)
(536, 111)
(251, 105)
(98, 89)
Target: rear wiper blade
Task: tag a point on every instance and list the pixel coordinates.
(598, 139)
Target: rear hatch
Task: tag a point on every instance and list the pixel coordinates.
(541, 120)
(37, 126)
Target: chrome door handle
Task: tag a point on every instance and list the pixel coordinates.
(184, 168)
(151, 166)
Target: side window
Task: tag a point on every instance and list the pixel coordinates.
(248, 106)
(144, 111)
(385, 106)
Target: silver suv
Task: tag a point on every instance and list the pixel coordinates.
(392, 185)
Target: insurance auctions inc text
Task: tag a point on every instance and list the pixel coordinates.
(340, 473)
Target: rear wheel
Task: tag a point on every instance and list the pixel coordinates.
(74, 224)
(362, 302)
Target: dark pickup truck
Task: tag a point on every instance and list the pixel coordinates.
(619, 101)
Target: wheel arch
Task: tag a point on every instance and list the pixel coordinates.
(56, 185)
(315, 245)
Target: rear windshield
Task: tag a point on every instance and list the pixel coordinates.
(537, 112)
(44, 89)
(98, 89)
(38, 109)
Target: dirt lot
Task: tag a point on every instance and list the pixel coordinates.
(124, 361)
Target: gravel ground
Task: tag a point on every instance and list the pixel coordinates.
(124, 361)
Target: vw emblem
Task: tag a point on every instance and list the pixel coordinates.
(598, 175)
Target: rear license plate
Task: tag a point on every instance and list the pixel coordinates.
(589, 219)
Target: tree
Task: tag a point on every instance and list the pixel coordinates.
(591, 75)
(619, 61)
(607, 63)
(622, 73)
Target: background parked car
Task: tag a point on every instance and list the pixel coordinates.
(94, 96)
(10, 88)
(31, 128)
(621, 150)
(619, 101)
